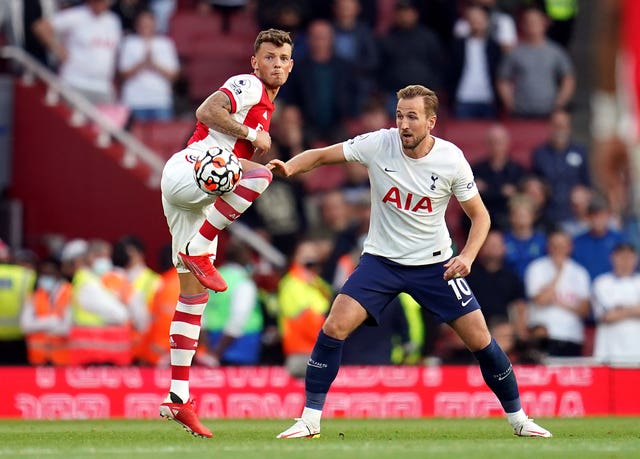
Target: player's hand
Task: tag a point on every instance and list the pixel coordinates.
(278, 167)
(456, 267)
(262, 142)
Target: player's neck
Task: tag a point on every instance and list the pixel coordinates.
(422, 149)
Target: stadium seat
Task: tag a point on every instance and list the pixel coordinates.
(164, 137)
(526, 135)
(188, 28)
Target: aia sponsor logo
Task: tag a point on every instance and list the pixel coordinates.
(409, 202)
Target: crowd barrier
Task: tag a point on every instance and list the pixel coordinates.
(358, 392)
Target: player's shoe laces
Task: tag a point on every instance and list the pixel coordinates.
(202, 267)
(185, 415)
(301, 429)
(528, 428)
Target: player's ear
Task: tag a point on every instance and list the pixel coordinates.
(431, 122)
(254, 63)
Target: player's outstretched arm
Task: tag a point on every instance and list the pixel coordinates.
(308, 160)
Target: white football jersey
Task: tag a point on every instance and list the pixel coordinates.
(409, 196)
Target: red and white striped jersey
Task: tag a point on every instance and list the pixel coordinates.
(250, 106)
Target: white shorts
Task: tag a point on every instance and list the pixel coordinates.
(185, 205)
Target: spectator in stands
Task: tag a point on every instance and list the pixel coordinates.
(16, 288)
(616, 306)
(84, 39)
(559, 291)
(16, 20)
(409, 54)
(226, 8)
(354, 42)
(163, 11)
(100, 332)
(562, 163)
(321, 87)
(474, 66)
(351, 237)
(233, 319)
(148, 65)
(498, 176)
(375, 344)
(501, 24)
(499, 289)
(562, 15)
(46, 317)
(129, 254)
(592, 248)
(524, 243)
(537, 77)
(578, 222)
(128, 12)
(280, 211)
(537, 191)
(304, 299)
(155, 345)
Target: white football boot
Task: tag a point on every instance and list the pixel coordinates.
(528, 428)
(301, 429)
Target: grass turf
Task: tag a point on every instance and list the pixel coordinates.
(581, 438)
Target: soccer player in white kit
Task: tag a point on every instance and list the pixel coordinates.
(408, 249)
(235, 117)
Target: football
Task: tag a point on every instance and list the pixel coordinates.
(217, 171)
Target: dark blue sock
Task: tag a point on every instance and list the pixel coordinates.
(322, 369)
(498, 374)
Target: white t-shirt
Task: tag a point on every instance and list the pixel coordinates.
(92, 42)
(147, 88)
(475, 82)
(616, 342)
(409, 196)
(573, 286)
(502, 25)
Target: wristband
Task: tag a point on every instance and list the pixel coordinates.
(251, 134)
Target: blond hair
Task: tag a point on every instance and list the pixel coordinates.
(428, 96)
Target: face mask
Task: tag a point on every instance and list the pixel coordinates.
(101, 266)
(47, 282)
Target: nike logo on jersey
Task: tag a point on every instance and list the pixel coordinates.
(264, 115)
(464, 303)
(386, 169)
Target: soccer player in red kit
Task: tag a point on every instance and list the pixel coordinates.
(236, 117)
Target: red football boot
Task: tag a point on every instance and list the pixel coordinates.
(185, 415)
(202, 267)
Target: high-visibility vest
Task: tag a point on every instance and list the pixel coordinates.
(303, 304)
(155, 342)
(145, 284)
(16, 284)
(91, 340)
(218, 310)
(43, 347)
(561, 10)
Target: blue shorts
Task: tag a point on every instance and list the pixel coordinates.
(377, 280)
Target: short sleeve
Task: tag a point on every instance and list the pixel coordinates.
(66, 20)
(243, 91)
(362, 148)
(463, 185)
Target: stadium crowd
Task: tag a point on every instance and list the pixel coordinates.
(557, 276)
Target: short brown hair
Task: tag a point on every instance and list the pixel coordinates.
(275, 36)
(429, 97)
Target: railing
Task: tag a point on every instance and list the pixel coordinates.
(83, 111)
(136, 152)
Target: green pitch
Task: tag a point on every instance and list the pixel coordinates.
(347, 439)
